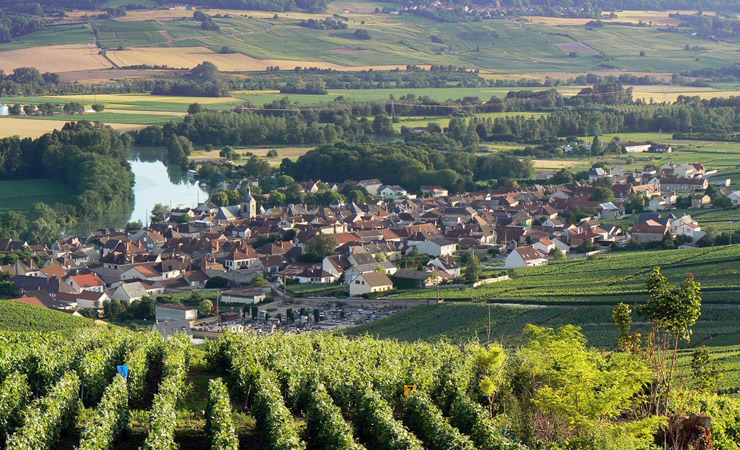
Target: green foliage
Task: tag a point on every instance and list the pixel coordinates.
(473, 270)
(98, 367)
(47, 417)
(141, 357)
(205, 308)
(325, 424)
(470, 418)
(217, 282)
(159, 213)
(582, 388)
(378, 428)
(219, 422)
(14, 396)
(318, 247)
(172, 390)
(110, 420)
(427, 422)
(273, 418)
(21, 317)
(704, 371)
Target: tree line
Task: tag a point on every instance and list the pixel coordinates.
(91, 158)
(412, 166)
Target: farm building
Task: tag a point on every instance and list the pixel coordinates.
(169, 311)
(4, 110)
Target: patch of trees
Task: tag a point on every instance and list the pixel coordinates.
(715, 27)
(329, 23)
(706, 116)
(204, 80)
(362, 34)
(413, 166)
(13, 25)
(91, 158)
(316, 87)
(206, 22)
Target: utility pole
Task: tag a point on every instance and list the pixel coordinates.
(731, 232)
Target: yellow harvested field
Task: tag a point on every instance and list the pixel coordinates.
(189, 57)
(178, 14)
(488, 74)
(283, 152)
(128, 101)
(55, 58)
(648, 17)
(149, 113)
(670, 93)
(554, 163)
(33, 128)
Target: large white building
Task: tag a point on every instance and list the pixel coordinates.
(525, 257)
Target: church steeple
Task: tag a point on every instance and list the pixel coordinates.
(248, 205)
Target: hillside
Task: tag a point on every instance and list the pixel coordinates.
(21, 317)
(610, 278)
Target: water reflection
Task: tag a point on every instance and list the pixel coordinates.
(156, 182)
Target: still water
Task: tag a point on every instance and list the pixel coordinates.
(158, 183)
(155, 182)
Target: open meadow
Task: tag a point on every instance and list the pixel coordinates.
(20, 195)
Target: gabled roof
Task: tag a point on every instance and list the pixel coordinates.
(376, 279)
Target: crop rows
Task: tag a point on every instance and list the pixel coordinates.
(351, 393)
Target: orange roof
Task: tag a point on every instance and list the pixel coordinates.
(54, 271)
(88, 280)
(29, 301)
(343, 238)
(147, 271)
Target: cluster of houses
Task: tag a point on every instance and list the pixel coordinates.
(239, 243)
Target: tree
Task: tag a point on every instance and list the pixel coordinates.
(704, 372)
(259, 281)
(622, 315)
(316, 315)
(602, 194)
(473, 269)
(205, 307)
(160, 212)
(290, 315)
(722, 201)
(98, 107)
(144, 309)
(206, 71)
(582, 390)
(217, 282)
(489, 364)
(672, 311)
(195, 108)
(134, 225)
(73, 108)
(319, 247)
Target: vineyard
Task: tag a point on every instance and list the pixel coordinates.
(612, 278)
(61, 390)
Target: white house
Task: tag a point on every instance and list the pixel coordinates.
(371, 186)
(243, 296)
(370, 282)
(169, 311)
(129, 292)
(437, 247)
(544, 245)
(686, 226)
(734, 197)
(392, 192)
(446, 264)
(525, 257)
(86, 282)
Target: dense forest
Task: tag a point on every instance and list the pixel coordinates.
(91, 158)
(413, 166)
(265, 5)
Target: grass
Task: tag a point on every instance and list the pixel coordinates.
(20, 195)
(611, 278)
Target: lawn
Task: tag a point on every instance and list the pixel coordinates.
(20, 195)
(610, 278)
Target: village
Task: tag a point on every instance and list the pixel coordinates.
(301, 268)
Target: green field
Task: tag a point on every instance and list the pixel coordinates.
(21, 317)
(20, 195)
(716, 220)
(460, 322)
(496, 46)
(611, 278)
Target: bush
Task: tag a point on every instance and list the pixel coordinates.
(219, 423)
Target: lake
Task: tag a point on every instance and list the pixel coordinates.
(155, 182)
(159, 183)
